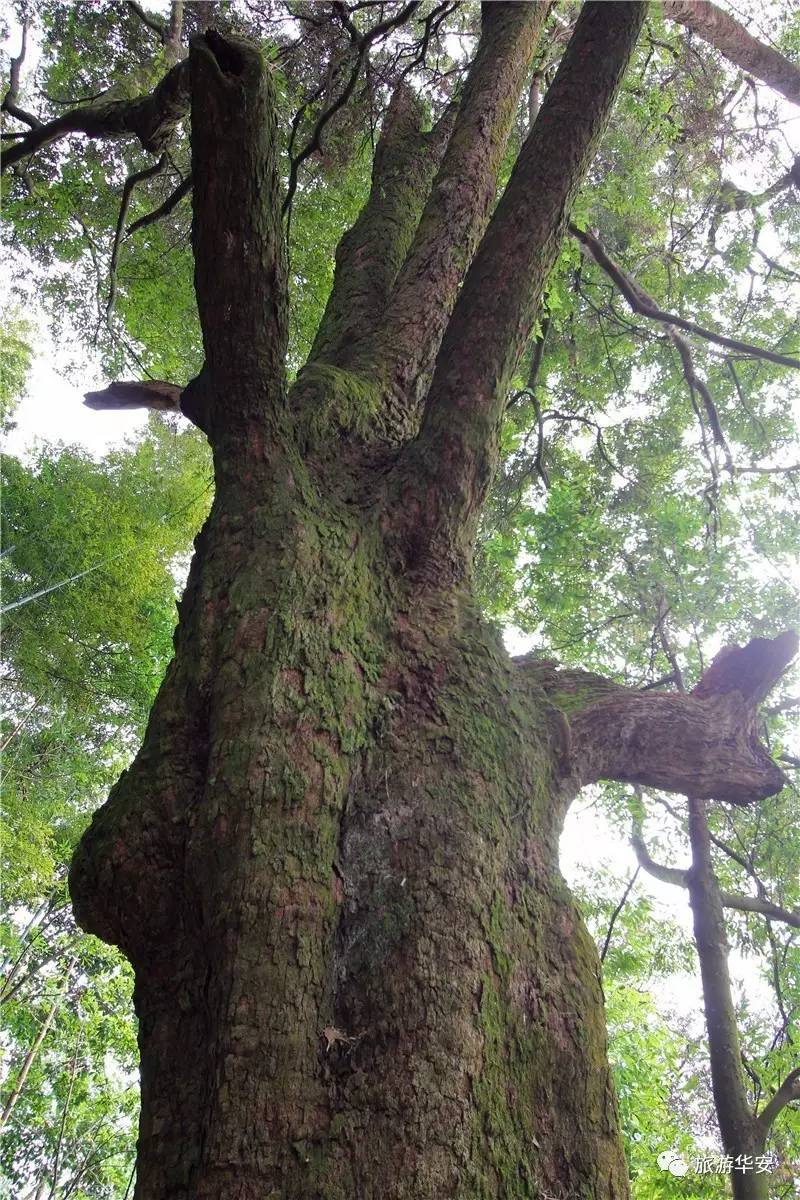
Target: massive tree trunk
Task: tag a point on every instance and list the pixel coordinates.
(333, 863)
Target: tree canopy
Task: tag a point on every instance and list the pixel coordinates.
(644, 513)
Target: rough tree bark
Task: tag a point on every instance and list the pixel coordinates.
(333, 863)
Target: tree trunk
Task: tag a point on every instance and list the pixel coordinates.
(334, 868)
(333, 863)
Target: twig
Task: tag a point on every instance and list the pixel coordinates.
(362, 43)
(127, 192)
(616, 913)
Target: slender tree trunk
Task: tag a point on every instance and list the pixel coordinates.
(740, 1134)
(27, 1063)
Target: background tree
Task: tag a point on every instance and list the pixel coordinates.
(330, 756)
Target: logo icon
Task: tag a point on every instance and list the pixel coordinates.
(671, 1160)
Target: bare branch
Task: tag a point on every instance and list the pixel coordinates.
(155, 394)
(672, 875)
(734, 199)
(704, 744)
(362, 44)
(699, 387)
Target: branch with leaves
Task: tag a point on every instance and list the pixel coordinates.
(679, 877)
(151, 118)
(644, 304)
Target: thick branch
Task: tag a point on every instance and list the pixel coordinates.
(370, 255)
(128, 393)
(151, 118)
(787, 1093)
(734, 199)
(704, 744)
(671, 875)
(237, 236)
(733, 41)
(456, 213)
(642, 303)
(193, 401)
(456, 451)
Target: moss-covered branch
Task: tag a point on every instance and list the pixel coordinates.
(703, 745)
(456, 213)
(370, 255)
(237, 236)
(454, 458)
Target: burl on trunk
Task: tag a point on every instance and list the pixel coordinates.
(333, 863)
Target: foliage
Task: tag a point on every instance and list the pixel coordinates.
(81, 666)
(15, 364)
